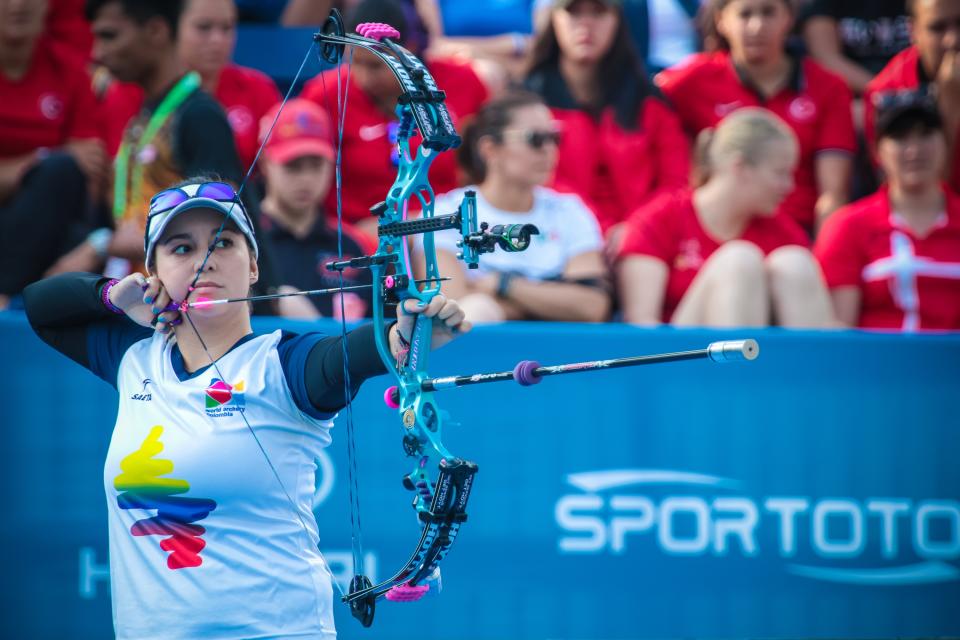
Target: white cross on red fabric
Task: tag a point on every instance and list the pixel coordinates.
(902, 267)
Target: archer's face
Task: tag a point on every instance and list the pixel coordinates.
(228, 273)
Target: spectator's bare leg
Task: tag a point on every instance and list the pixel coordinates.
(730, 290)
(799, 295)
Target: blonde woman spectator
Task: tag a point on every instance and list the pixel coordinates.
(721, 256)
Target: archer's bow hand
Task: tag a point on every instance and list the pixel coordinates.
(448, 321)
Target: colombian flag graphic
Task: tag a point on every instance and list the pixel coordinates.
(143, 486)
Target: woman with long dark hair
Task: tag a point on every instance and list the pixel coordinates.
(622, 144)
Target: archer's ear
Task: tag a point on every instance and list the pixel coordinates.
(254, 270)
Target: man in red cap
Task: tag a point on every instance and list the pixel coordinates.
(297, 165)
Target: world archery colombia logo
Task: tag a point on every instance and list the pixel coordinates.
(853, 540)
(222, 399)
(142, 486)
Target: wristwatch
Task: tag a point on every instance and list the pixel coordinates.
(99, 239)
(503, 285)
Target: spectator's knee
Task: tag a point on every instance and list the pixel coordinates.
(793, 265)
(739, 259)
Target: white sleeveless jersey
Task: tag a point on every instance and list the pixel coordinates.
(204, 543)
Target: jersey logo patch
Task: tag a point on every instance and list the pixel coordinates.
(143, 396)
(143, 487)
(222, 399)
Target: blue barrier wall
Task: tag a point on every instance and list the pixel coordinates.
(813, 492)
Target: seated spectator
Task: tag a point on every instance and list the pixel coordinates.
(721, 256)
(180, 132)
(757, 70)
(622, 143)
(52, 158)
(931, 64)
(369, 156)
(297, 166)
(207, 36)
(510, 148)
(892, 260)
(856, 39)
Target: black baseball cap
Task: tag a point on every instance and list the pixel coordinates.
(901, 111)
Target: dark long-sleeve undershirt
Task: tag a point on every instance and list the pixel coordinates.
(64, 309)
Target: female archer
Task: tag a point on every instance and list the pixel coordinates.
(210, 471)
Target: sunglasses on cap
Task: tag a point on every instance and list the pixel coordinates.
(172, 198)
(168, 200)
(534, 139)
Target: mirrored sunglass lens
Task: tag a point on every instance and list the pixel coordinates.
(167, 200)
(217, 191)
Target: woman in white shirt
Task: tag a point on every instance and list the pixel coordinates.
(510, 151)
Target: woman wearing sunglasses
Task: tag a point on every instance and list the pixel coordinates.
(510, 151)
(210, 537)
(622, 143)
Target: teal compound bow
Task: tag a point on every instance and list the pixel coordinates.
(440, 505)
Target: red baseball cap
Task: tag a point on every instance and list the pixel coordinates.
(303, 129)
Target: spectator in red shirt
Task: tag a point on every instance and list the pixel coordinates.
(892, 260)
(206, 38)
(51, 153)
(757, 70)
(622, 143)
(721, 256)
(510, 149)
(69, 28)
(369, 156)
(931, 64)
